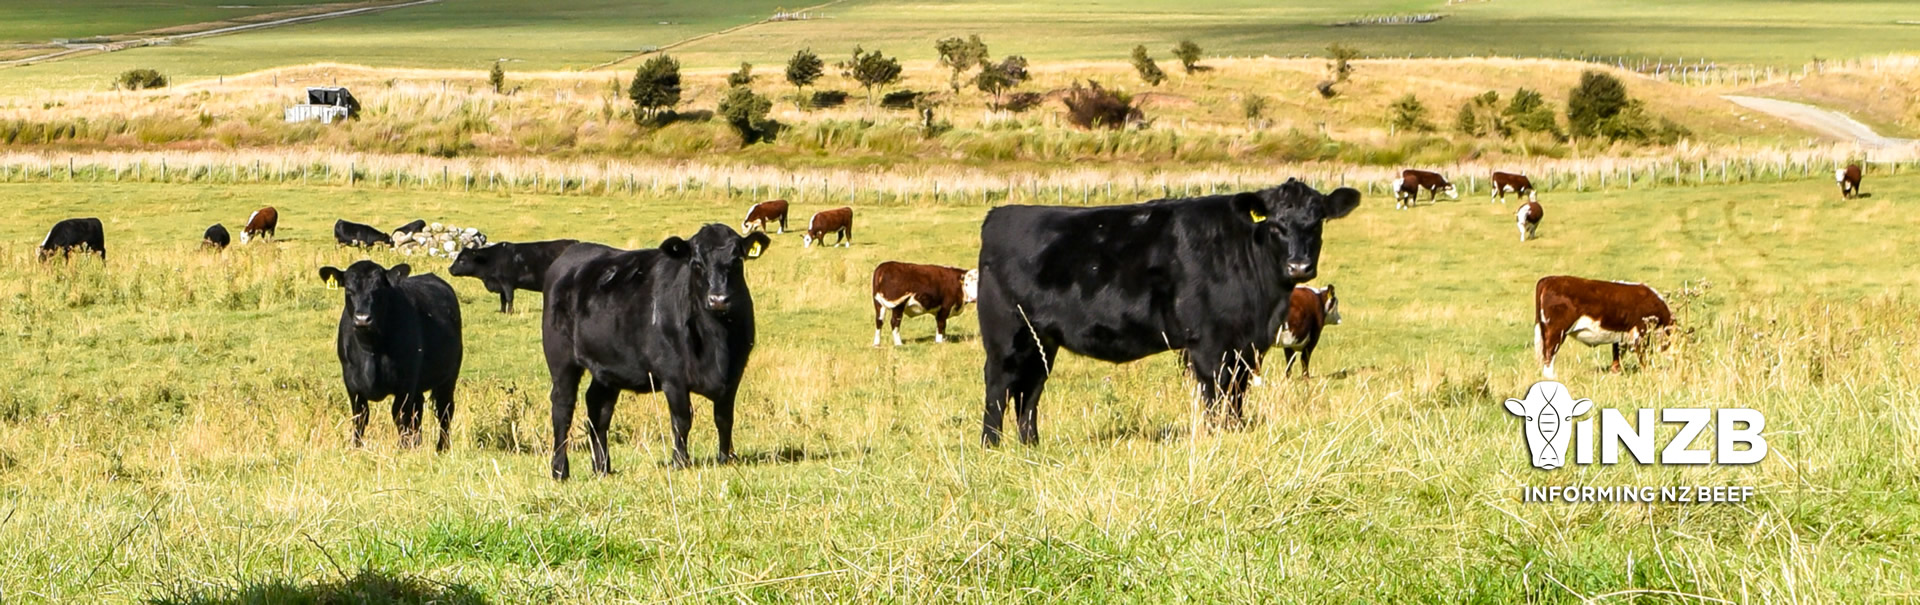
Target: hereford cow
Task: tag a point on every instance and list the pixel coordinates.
(1528, 218)
(1518, 184)
(216, 237)
(910, 290)
(1849, 179)
(1415, 180)
(260, 224)
(1209, 276)
(1595, 312)
(86, 235)
(765, 212)
(505, 267)
(1309, 312)
(838, 221)
(399, 337)
(355, 234)
(675, 320)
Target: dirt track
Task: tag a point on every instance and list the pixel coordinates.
(1827, 122)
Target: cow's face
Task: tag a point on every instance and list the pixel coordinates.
(1547, 413)
(368, 288)
(1332, 305)
(1452, 193)
(970, 285)
(1293, 214)
(716, 255)
(475, 261)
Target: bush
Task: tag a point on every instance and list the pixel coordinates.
(997, 78)
(744, 77)
(1634, 124)
(872, 69)
(1254, 108)
(1408, 113)
(1598, 98)
(804, 68)
(1480, 116)
(1340, 62)
(1528, 112)
(1091, 107)
(497, 77)
(961, 55)
(656, 87)
(1149, 71)
(901, 99)
(1022, 101)
(828, 98)
(139, 79)
(1189, 55)
(746, 112)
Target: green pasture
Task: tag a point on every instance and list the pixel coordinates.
(36, 22)
(175, 429)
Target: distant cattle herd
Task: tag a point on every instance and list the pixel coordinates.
(1216, 278)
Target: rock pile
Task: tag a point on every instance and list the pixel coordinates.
(438, 240)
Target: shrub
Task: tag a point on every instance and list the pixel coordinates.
(1254, 108)
(1480, 116)
(1340, 62)
(744, 77)
(1408, 113)
(804, 68)
(961, 55)
(1091, 107)
(1022, 101)
(497, 77)
(138, 79)
(1635, 125)
(1528, 112)
(1189, 55)
(828, 98)
(901, 99)
(872, 69)
(997, 78)
(656, 87)
(1149, 71)
(746, 112)
(1598, 98)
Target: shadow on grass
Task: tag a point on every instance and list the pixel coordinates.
(368, 586)
(782, 455)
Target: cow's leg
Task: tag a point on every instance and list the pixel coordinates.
(1222, 374)
(600, 400)
(506, 299)
(1016, 369)
(1616, 358)
(403, 410)
(1026, 405)
(443, 410)
(783, 223)
(359, 417)
(879, 319)
(898, 314)
(680, 406)
(940, 325)
(1306, 356)
(1288, 370)
(566, 391)
(723, 424)
(1547, 338)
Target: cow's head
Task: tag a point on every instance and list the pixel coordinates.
(716, 255)
(1452, 193)
(1547, 413)
(970, 285)
(369, 290)
(475, 261)
(1331, 305)
(1293, 214)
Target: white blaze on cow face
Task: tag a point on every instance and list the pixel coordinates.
(1399, 196)
(1452, 194)
(970, 286)
(1547, 413)
(806, 241)
(1840, 175)
(1333, 307)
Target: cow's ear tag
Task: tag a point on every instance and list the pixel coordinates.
(332, 285)
(754, 252)
(1256, 215)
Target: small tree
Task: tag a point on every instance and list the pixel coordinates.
(804, 69)
(1480, 116)
(656, 87)
(1254, 107)
(1598, 97)
(961, 55)
(1465, 123)
(1092, 107)
(497, 77)
(1189, 55)
(1340, 62)
(746, 112)
(998, 78)
(1149, 71)
(1528, 112)
(744, 77)
(1408, 113)
(137, 79)
(872, 69)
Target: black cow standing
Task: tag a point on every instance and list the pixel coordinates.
(1209, 276)
(216, 237)
(675, 320)
(505, 267)
(348, 233)
(400, 337)
(84, 234)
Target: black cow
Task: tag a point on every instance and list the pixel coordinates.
(677, 319)
(355, 234)
(216, 237)
(399, 336)
(85, 234)
(505, 267)
(416, 226)
(1209, 276)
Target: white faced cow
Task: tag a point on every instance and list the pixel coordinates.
(1595, 313)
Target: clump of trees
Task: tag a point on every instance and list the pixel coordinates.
(998, 78)
(1092, 106)
(656, 88)
(140, 79)
(746, 111)
(1599, 107)
(1407, 113)
(960, 56)
(1148, 69)
(1480, 116)
(1189, 54)
(1528, 112)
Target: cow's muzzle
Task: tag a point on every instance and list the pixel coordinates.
(1300, 272)
(718, 302)
(362, 322)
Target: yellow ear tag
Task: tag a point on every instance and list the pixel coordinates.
(1256, 215)
(332, 285)
(754, 252)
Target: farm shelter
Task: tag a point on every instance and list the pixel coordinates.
(326, 104)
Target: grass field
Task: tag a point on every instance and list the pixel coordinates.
(176, 430)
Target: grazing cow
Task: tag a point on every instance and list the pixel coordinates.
(838, 221)
(1528, 218)
(675, 320)
(399, 336)
(505, 267)
(1209, 276)
(1403, 193)
(416, 226)
(85, 234)
(1849, 179)
(1518, 184)
(216, 237)
(356, 234)
(260, 224)
(1594, 312)
(1415, 180)
(1309, 312)
(763, 213)
(910, 290)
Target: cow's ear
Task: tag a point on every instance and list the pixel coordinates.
(399, 272)
(1515, 407)
(754, 244)
(1581, 407)
(330, 275)
(1251, 205)
(1340, 202)
(675, 247)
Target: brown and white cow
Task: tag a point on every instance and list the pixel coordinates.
(1308, 312)
(1595, 312)
(763, 213)
(1849, 179)
(260, 224)
(1528, 218)
(1412, 181)
(911, 290)
(1507, 182)
(838, 221)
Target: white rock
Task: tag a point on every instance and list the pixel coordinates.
(450, 246)
(436, 227)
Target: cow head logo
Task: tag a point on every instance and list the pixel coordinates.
(1547, 413)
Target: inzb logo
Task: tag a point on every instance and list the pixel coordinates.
(1548, 412)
